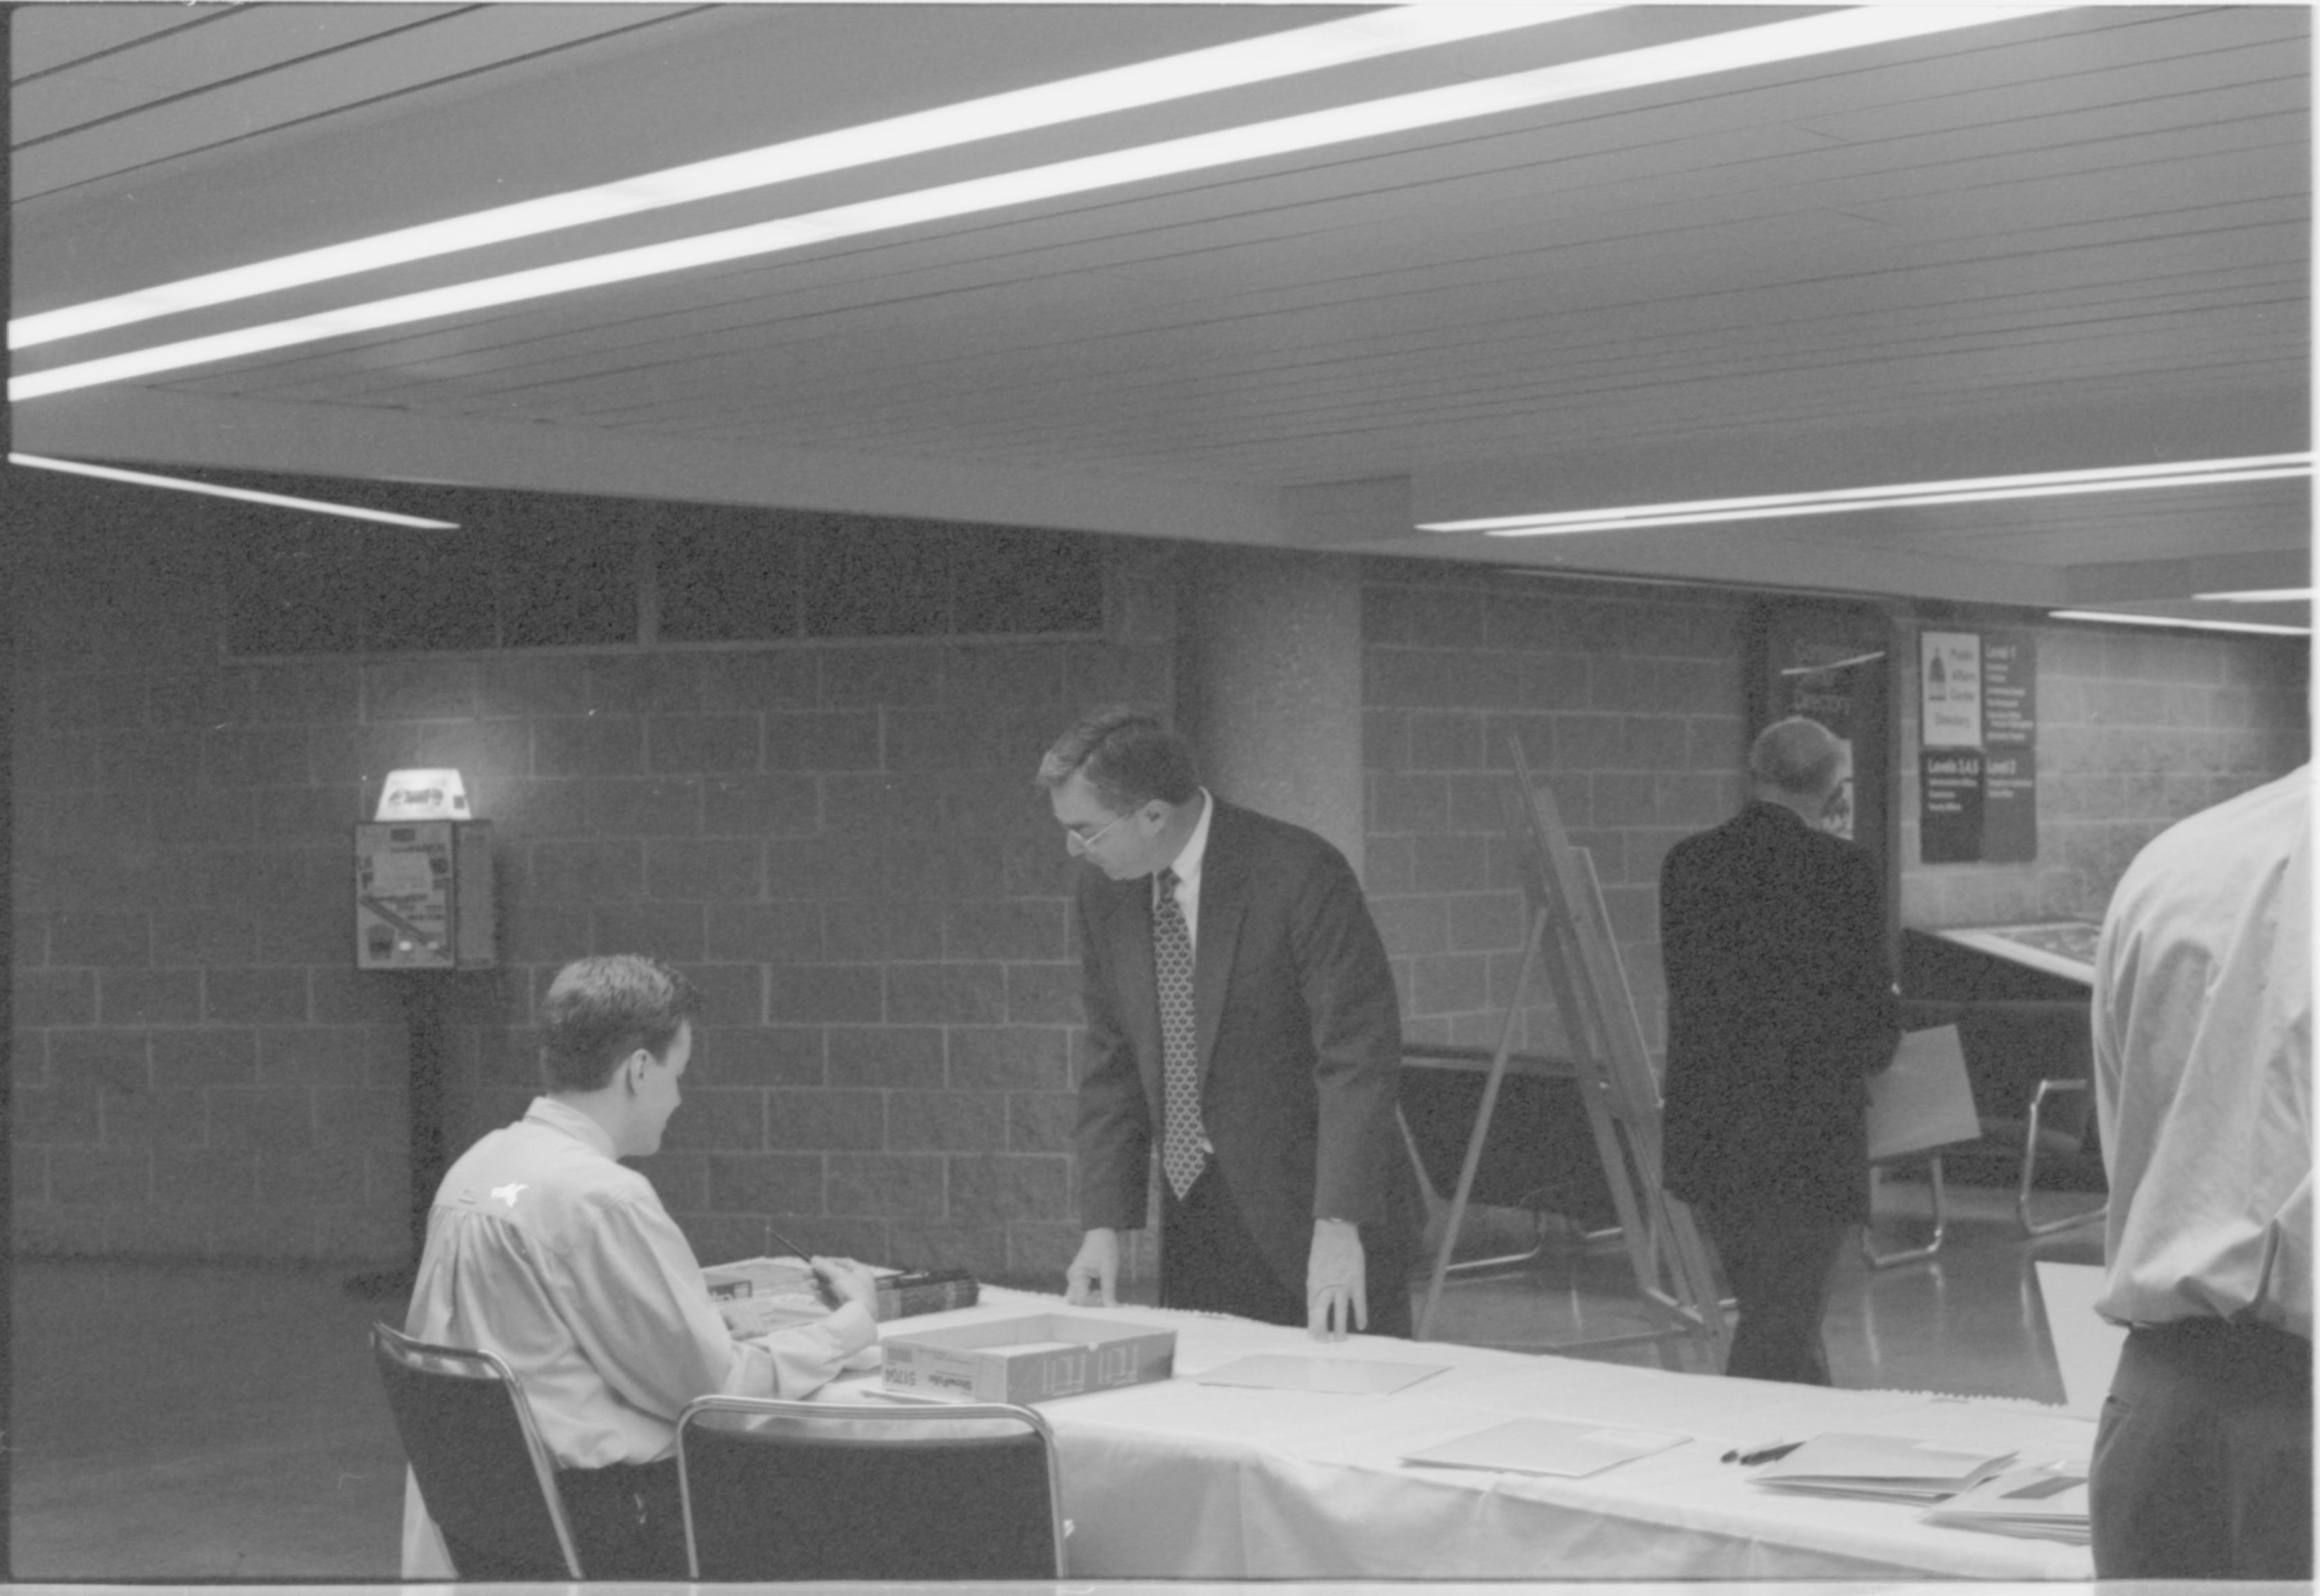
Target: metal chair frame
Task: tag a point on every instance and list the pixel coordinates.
(840, 1412)
(1933, 1242)
(471, 1363)
(2046, 1088)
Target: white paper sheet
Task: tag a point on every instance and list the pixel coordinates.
(1547, 1446)
(2048, 1500)
(1881, 1465)
(1922, 1100)
(2086, 1344)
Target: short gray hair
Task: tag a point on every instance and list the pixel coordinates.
(1799, 756)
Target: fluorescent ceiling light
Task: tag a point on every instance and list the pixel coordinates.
(2258, 595)
(2106, 615)
(146, 479)
(1146, 83)
(1721, 52)
(1847, 663)
(2037, 484)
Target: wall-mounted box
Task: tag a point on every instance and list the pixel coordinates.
(1028, 1360)
(424, 895)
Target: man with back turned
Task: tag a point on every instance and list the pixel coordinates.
(1241, 1022)
(1779, 1005)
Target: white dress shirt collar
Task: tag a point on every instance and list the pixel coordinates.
(1187, 866)
(572, 1123)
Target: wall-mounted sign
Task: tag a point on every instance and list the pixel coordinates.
(1978, 756)
(1949, 684)
(1949, 824)
(2009, 747)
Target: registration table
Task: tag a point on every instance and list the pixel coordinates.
(1182, 1479)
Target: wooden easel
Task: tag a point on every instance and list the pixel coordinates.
(1569, 936)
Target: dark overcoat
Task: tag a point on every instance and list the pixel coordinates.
(1779, 1005)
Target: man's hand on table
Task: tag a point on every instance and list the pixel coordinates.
(1093, 1276)
(1336, 1284)
(846, 1281)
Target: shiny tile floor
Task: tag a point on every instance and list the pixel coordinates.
(176, 1422)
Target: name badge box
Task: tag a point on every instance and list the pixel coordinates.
(1028, 1360)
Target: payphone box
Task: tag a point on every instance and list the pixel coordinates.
(424, 895)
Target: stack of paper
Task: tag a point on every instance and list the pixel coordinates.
(2048, 1500)
(1546, 1447)
(1892, 1467)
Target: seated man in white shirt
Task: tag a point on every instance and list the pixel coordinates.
(543, 1248)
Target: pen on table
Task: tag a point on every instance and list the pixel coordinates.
(821, 1288)
(1762, 1454)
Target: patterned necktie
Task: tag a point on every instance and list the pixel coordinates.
(1172, 961)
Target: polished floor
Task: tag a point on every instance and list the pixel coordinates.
(209, 1423)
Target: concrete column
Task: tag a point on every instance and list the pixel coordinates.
(1269, 683)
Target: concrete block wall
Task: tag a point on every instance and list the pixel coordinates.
(842, 843)
(2136, 729)
(1628, 702)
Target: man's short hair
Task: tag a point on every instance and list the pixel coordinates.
(1799, 756)
(599, 1010)
(1128, 758)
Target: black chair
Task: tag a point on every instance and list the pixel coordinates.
(1539, 1157)
(482, 1471)
(819, 1491)
(2033, 1065)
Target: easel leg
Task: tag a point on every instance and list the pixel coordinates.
(1481, 1133)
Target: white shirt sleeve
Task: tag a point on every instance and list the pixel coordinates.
(646, 1322)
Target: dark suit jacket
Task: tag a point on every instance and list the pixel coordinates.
(1299, 1038)
(1780, 1004)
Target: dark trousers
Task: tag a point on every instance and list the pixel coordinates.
(1777, 1262)
(628, 1519)
(2203, 1458)
(627, 1522)
(1211, 1263)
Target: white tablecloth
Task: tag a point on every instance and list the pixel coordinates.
(1181, 1480)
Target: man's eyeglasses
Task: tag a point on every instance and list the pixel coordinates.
(1081, 842)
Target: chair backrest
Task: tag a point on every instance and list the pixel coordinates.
(818, 1491)
(482, 1471)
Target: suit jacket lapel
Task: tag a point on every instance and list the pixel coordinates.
(1223, 898)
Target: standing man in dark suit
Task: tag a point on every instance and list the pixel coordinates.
(1241, 1021)
(1780, 1004)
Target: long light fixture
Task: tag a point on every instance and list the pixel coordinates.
(1336, 43)
(2037, 484)
(250, 494)
(1778, 41)
(2123, 619)
(2258, 595)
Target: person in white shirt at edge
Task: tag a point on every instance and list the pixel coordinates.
(543, 1248)
(2203, 1088)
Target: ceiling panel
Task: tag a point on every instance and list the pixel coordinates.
(250, 71)
(1962, 243)
(46, 38)
(170, 72)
